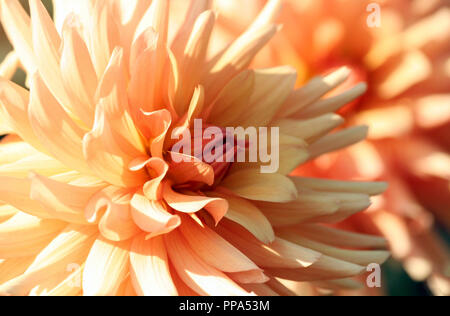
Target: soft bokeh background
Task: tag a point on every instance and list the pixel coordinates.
(396, 281)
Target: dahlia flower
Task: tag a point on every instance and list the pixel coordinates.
(93, 199)
(406, 62)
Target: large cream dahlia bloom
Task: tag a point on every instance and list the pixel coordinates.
(92, 200)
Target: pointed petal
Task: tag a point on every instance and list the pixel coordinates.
(198, 275)
(150, 271)
(106, 267)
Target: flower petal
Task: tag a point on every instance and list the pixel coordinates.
(152, 216)
(192, 204)
(253, 185)
(150, 271)
(106, 267)
(198, 275)
(25, 235)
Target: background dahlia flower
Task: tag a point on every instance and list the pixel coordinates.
(92, 200)
(406, 62)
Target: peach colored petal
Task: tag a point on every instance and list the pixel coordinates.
(192, 204)
(78, 74)
(107, 155)
(194, 54)
(197, 274)
(110, 207)
(152, 216)
(25, 235)
(216, 251)
(158, 170)
(196, 7)
(189, 169)
(106, 267)
(154, 126)
(58, 133)
(16, 192)
(150, 271)
(62, 201)
(14, 103)
(71, 247)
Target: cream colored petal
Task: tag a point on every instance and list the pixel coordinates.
(9, 65)
(197, 274)
(246, 214)
(333, 104)
(341, 238)
(17, 26)
(236, 58)
(253, 185)
(39, 163)
(150, 271)
(106, 267)
(216, 251)
(312, 129)
(47, 42)
(361, 257)
(6, 212)
(194, 54)
(55, 263)
(103, 35)
(313, 91)
(326, 268)
(337, 141)
(325, 185)
(280, 253)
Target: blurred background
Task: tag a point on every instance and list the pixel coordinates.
(396, 280)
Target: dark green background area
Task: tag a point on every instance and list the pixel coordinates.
(395, 279)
